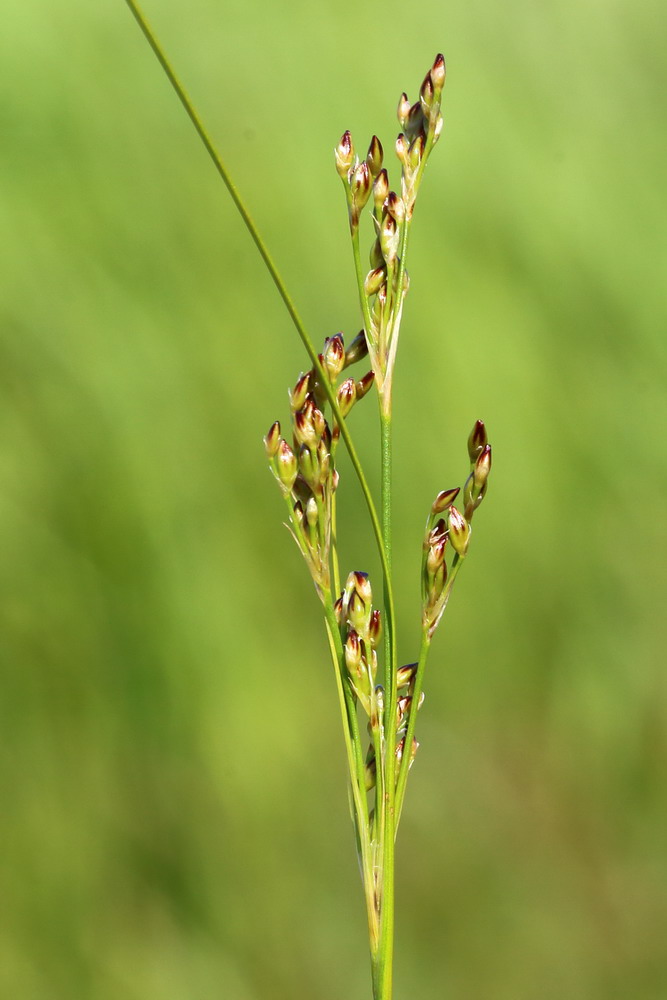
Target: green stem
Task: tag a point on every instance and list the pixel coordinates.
(268, 261)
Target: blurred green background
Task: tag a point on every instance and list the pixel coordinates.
(174, 817)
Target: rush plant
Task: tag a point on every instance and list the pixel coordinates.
(379, 694)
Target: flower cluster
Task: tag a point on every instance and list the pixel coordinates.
(305, 469)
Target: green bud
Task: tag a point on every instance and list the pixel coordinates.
(405, 675)
(304, 428)
(334, 355)
(286, 465)
(311, 513)
(364, 384)
(438, 74)
(403, 109)
(477, 440)
(357, 350)
(308, 467)
(437, 129)
(444, 500)
(370, 773)
(361, 184)
(374, 281)
(375, 156)
(396, 207)
(426, 95)
(402, 146)
(272, 440)
(482, 468)
(375, 629)
(346, 395)
(344, 153)
(375, 256)
(380, 190)
(389, 237)
(415, 125)
(353, 653)
(299, 393)
(416, 151)
(459, 531)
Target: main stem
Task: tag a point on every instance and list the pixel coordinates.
(384, 957)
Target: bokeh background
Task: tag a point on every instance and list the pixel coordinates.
(174, 816)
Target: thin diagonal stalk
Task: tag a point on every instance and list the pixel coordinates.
(271, 268)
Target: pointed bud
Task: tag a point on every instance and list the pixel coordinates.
(375, 256)
(370, 773)
(311, 513)
(389, 236)
(403, 109)
(361, 183)
(286, 464)
(402, 146)
(477, 440)
(357, 614)
(375, 156)
(346, 395)
(414, 126)
(439, 122)
(459, 531)
(304, 429)
(444, 500)
(435, 557)
(375, 629)
(482, 468)
(353, 654)
(380, 190)
(357, 350)
(364, 384)
(362, 585)
(272, 440)
(344, 153)
(299, 393)
(374, 281)
(298, 514)
(338, 610)
(396, 207)
(402, 709)
(334, 355)
(416, 151)
(308, 467)
(426, 95)
(405, 675)
(438, 74)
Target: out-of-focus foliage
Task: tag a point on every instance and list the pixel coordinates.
(174, 816)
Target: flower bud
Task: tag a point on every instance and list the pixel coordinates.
(375, 629)
(426, 95)
(402, 146)
(364, 384)
(396, 207)
(437, 129)
(311, 513)
(477, 440)
(357, 350)
(375, 256)
(459, 531)
(403, 109)
(400, 746)
(405, 675)
(389, 236)
(360, 185)
(375, 156)
(308, 467)
(304, 428)
(444, 500)
(272, 440)
(286, 464)
(380, 190)
(353, 655)
(438, 73)
(334, 355)
(362, 585)
(416, 151)
(344, 153)
(299, 393)
(414, 126)
(370, 773)
(482, 468)
(346, 395)
(435, 557)
(374, 281)
(338, 610)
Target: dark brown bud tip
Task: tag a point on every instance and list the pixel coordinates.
(364, 384)
(477, 440)
(444, 500)
(357, 350)
(403, 109)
